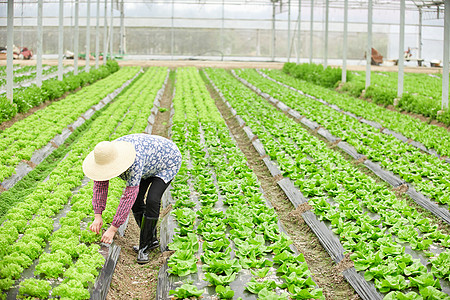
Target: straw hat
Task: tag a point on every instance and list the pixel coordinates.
(108, 160)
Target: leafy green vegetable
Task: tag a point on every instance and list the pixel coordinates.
(431, 293)
(50, 269)
(441, 265)
(182, 263)
(215, 279)
(11, 270)
(186, 291)
(6, 283)
(71, 290)
(391, 283)
(35, 288)
(395, 295)
(224, 292)
(261, 273)
(255, 287)
(265, 294)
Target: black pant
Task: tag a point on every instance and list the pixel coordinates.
(155, 192)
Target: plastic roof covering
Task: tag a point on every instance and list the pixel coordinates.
(433, 6)
(410, 4)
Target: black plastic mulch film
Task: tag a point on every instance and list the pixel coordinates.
(327, 238)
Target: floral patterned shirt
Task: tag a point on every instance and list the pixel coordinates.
(156, 156)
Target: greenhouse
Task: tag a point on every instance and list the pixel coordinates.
(212, 149)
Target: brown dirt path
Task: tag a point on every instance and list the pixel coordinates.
(131, 280)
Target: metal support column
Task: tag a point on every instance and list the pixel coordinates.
(401, 46)
(289, 32)
(311, 32)
(111, 30)
(369, 42)
(273, 30)
(172, 32)
(9, 52)
(122, 29)
(88, 35)
(446, 55)
(21, 27)
(345, 46)
(60, 39)
(222, 44)
(105, 33)
(97, 34)
(299, 22)
(75, 40)
(327, 17)
(39, 45)
(419, 52)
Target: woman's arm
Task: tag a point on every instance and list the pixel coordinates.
(100, 196)
(126, 202)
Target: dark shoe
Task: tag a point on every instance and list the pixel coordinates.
(147, 239)
(138, 218)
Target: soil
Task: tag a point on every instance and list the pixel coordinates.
(323, 269)
(132, 280)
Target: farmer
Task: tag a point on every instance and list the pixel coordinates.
(141, 160)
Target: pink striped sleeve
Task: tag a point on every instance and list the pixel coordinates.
(100, 196)
(126, 202)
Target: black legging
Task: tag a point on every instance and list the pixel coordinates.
(155, 192)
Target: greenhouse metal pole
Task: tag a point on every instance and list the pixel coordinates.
(369, 42)
(446, 54)
(111, 30)
(97, 33)
(273, 30)
(88, 35)
(311, 31)
(222, 50)
(105, 33)
(419, 52)
(75, 41)
(9, 54)
(401, 46)
(122, 29)
(21, 27)
(299, 22)
(39, 45)
(327, 16)
(345, 46)
(60, 39)
(172, 33)
(289, 32)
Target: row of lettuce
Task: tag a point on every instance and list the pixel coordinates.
(18, 69)
(427, 173)
(51, 89)
(65, 262)
(374, 225)
(432, 136)
(224, 223)
(423, 92)
(23, 138)
(27, 73)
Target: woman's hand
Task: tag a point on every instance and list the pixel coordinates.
(96, 226)
(109, 235)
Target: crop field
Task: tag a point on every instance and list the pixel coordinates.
(287, 190)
